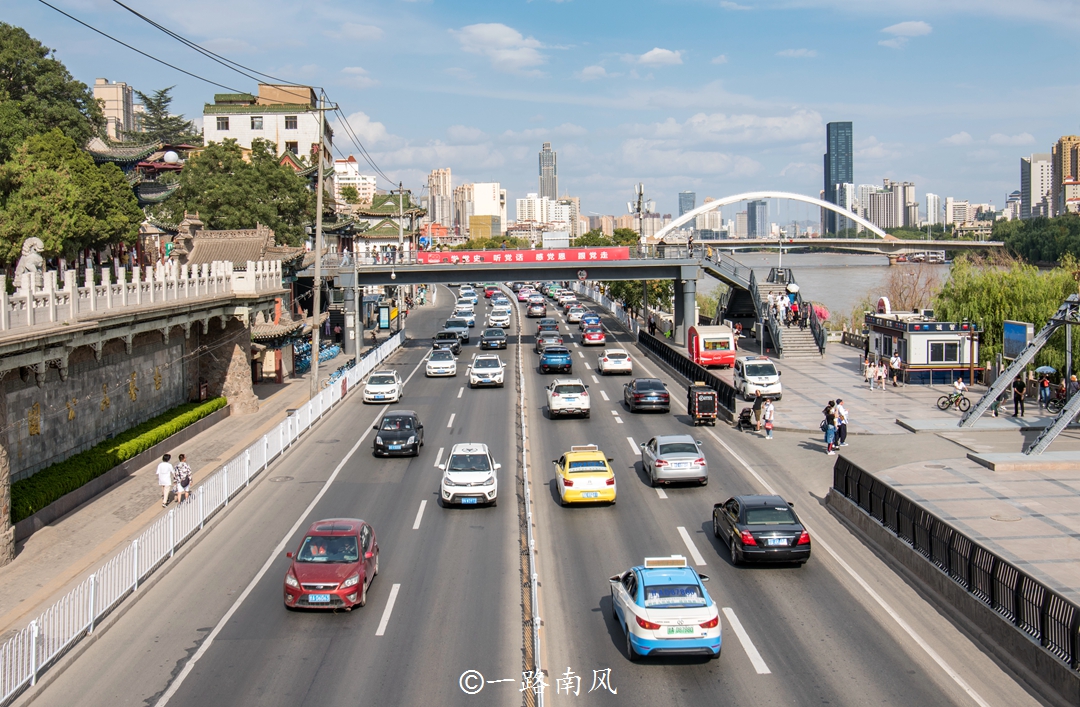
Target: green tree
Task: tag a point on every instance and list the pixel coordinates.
(230, 192)
(350, 194)
(512, 242)
(159, 125)
(592, 239)
(38, 94)
(1041, 240)
(53, 190)
(625, 236)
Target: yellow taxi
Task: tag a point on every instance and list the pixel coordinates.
(584, 475)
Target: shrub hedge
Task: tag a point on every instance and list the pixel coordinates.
(30, 495)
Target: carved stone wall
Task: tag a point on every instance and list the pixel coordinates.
(224, 363)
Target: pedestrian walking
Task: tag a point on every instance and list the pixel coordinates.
(165, 479)
(841, 423)
(1018, 387)
(895, 364)
(995, 406)
(769, 414)
(881, 374)
(758, 402)
(772, 301)
(183, 479)
(829, 425)
(1044, 391)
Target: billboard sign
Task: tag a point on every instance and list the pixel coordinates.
(501, 257)
(1016, 337)
(384, 316)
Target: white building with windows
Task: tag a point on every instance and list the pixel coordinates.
(933, 209)
(347, 174)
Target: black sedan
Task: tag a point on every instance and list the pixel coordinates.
(399, 433)
(646, 394)
(761, 529)
(493, 339)
(447, 339)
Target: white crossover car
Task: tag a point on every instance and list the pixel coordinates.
(441, 363)
(614, 361)
(465, 313)
(469, 476)
(486, 369)
(568, 396)
(499, 319)
(383, 387)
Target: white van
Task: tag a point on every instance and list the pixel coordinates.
(754, 373)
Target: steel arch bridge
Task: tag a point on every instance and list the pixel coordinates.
(756, 195)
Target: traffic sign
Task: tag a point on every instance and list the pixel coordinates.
(581, 275)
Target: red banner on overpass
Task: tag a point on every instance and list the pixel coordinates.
(500, 257)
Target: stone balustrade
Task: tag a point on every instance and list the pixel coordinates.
(106, 292)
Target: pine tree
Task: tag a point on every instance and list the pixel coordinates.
(159, 125)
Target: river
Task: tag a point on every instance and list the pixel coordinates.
(837, 280)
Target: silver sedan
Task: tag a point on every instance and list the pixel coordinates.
(673, 458)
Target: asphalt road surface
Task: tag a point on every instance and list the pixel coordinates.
(842, 630)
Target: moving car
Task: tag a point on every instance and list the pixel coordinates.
(469, 476)
(566, 304)
(593, 336)
(536, 309)
(489, 290)
(493, 339)
(556, 359)
(761, 529)
(584, 475)
(447, 339)
(499, 319)
(668, 458)
(470, 293)
(398, 433)
(575, 313)
(465, 303)
(465, 313)
(547, 339)
(614, 361)
(458, 326)
(442, 362)
(383, 387)
(486, 369)
(589, 319)
(537, 298)
(546, 324)
(754, 373)
(333, 567)
(646, 394)
(663, 608)
(568, 396)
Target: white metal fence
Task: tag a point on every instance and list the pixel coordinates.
(616, 309)
(33, 649)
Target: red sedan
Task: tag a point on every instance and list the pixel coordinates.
(333, 567)
(593, 335)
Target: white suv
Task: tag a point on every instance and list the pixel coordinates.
(383, 387)
(568, 396)
(486, 369)
(754, 373)
(469, 476)
(499, 318)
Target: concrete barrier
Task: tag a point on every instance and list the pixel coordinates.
(70, 501)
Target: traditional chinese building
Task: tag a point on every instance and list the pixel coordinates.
(145, 166)
(377, 224)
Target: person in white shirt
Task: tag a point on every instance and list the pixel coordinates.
(841, 423)
(165, 473)
(894, 365)
(769, 415)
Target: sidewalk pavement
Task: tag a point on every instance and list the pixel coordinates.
(58, 556)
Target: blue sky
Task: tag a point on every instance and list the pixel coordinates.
(713, 96)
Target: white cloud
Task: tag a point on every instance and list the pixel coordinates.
(354, 31)
(797, 53)
(909, 29)
(724, 129)
(564, 130)
(728, 5)
(591, 73)
(368, 131)
(462, 134)
(358, 77)
(1021, 139)
(873, 149)
(960, 138)
(722, 59)
(507, 48)
(894, 43)
(660, 57)
(658, 158)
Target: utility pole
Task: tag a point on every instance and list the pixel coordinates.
(639, 207)
(313, 388)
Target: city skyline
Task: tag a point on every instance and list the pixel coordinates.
(662, 107)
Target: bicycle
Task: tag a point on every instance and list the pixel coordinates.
(960, 400)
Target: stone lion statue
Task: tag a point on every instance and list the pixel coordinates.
(31, 261)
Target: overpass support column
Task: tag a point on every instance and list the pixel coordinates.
(350, 342)
(685, 307)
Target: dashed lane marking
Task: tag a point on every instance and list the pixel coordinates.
(604, 395)
(587, 366)
(660, 492)
(438, 457)
(460, 391)
(388, 610)
(451, 422)
(419, 515)
(634, 448)
(748, 645)
(698, 559)
(595, 380)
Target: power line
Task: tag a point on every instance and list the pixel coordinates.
(138, 51)
(360, 146)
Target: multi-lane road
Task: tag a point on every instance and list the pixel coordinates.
(212, 630)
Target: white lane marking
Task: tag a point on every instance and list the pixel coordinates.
(634, 448)
(618, 419)
(615, 413)
(419, 515)
(595, 380)
(698, 559)
(460, 391)
(388, 610)
(451, 422)
(438, 457)
(587, 366)
(660, 492)
(919, 640)
(748, 645)
(580, 353)
(604, 395)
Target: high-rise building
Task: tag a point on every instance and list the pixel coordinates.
(933, 209)
(440, 198)
(549, 173)
(880, 208)
(740, 224)
(479, 199)
(117, 101)
(347, 174)
(1013, 203)
(687, 202)
(839, 167)
(757, 219)
(1036, 185)
(1066, 155)
(957, 212)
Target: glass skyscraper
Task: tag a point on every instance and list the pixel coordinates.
(757, 219)
(687, 201)
(549, 173)
(839, 171)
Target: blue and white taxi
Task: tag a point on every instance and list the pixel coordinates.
(664, 609)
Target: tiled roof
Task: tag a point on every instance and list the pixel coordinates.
(154, 193)
(387, 228)
(387, 205)
(239, 246)
(104, 152)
